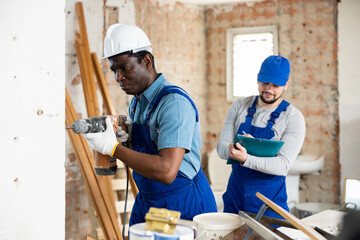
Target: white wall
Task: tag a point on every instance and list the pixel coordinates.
(32, 202)
(349, 87)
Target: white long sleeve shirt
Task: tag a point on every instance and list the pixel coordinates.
(289, 127)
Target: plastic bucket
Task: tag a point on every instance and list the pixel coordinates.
(138, 232)
(214, 226)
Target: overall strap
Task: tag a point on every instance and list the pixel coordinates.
(275, 114)
(166, 90)
(251, 111)
(133, 104)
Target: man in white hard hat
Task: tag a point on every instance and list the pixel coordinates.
(266, 116)
(165, 155)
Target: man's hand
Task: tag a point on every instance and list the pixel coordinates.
(123, 136)
(239, 153)
(103, 142)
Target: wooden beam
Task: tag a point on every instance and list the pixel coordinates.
(85, 55)
(102, 85)
(89, 98)
(89, 85)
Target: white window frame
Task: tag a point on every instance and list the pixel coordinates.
(230, 33)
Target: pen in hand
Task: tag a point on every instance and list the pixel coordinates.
(246, 135)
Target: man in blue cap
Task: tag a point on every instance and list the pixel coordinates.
(265, 116)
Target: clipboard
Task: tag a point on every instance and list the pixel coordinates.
(257, 147)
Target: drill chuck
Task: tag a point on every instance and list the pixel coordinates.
(89, 125)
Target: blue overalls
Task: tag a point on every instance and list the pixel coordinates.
(245, 182)
(189, 196)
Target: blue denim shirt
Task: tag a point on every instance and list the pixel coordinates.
(172, 124)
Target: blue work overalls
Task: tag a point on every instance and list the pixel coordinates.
(189, 196)
(245, 182)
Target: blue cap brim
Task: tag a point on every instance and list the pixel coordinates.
(279, 80)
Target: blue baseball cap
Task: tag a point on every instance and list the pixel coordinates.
(274, 69)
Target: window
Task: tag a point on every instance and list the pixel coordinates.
(246, 49)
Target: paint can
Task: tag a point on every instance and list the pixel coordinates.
(216, 225)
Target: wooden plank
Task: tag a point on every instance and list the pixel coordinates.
(82, 25)
(291, 218)
(89, 86)
(107, 218)
(84, 44)
(109, 107)
(89, 100)
(100, 234)
(87, 77)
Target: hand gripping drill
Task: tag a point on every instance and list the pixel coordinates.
(104, 165)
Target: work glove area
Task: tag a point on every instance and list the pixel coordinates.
(124, 136)
(103, 142)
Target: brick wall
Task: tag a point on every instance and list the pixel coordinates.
(308, 37)
(77, 223)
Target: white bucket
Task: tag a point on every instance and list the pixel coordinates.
(138, 232)
(216, 225)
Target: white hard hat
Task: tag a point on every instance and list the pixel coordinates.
(122, 38)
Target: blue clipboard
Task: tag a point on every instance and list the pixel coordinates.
(257, 147)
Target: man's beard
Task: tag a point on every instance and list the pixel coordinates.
(269, 101)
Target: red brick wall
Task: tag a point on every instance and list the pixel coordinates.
(308, 37)
(77, 217)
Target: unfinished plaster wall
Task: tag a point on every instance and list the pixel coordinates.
(308, 37)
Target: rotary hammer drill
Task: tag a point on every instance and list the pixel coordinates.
(104, 165)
